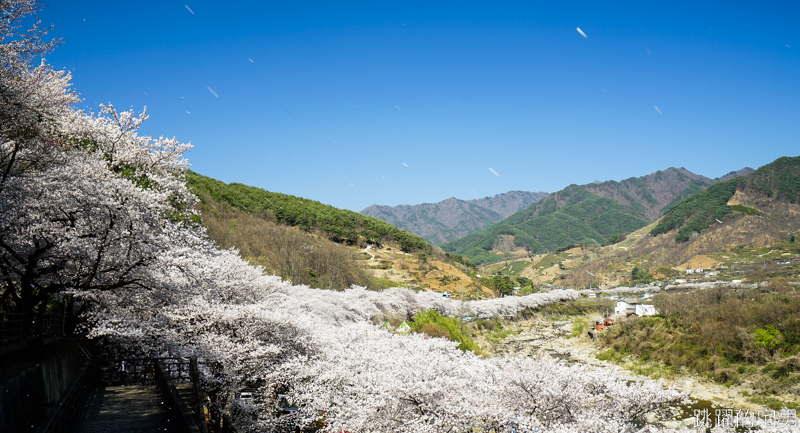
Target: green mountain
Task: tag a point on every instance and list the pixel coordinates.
(453, 219)
(585, 214)
(311, 243)
(779, 180)
(338, 225)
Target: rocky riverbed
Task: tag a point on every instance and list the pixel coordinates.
(539, 337)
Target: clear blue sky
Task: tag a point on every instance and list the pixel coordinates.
(398, 102)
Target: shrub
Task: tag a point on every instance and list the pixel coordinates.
(724, 375)
(791, 363)
(451, 326)
(434, 330)
(769, 338)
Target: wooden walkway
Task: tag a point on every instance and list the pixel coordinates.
(121, 409)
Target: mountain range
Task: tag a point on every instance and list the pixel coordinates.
(452, 219)
(591, 213)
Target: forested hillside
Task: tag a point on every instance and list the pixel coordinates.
(584, 217)
(779, 179)
(304, 241)
(453, 219)
(338, 225)
(591, 214)
(289, 252)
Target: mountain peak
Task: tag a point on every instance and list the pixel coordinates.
(453, 218)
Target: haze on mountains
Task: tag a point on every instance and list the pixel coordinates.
(591, 213)
(453, 218)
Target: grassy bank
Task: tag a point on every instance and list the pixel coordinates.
(732, 336)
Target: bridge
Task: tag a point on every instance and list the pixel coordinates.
(118, 395)
(131, 395)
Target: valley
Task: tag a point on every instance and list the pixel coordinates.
(260, 300)
(564, 338)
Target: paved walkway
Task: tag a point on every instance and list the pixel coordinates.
(121, 409)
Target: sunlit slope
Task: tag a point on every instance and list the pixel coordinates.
(571, 215)
(235, 216)
(584, 214)
(778, 180)
(339, 225)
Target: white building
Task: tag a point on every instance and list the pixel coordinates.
(645, 310)
(623, 308)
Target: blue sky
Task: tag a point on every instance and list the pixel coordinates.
(390, 102)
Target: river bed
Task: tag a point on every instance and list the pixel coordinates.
(540, 338)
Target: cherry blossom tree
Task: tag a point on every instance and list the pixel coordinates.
(87, 203)
(92, 211)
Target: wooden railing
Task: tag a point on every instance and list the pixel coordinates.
(59, 417)
(179, 413)
(16, 329)
(146, 371)
(163, 372)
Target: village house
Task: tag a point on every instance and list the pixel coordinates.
(645, 310)
(623, 308)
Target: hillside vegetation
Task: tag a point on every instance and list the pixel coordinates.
(592, 214)
(338, 225)
(779, 179)
(572, 215)
(744, 337)
(289, 252)
(234, 217)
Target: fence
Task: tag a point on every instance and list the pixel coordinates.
(16, 329)
(59, 417)
(163, 372)
(179, 413)
(142, 371)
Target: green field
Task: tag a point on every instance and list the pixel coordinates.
(547, 261)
